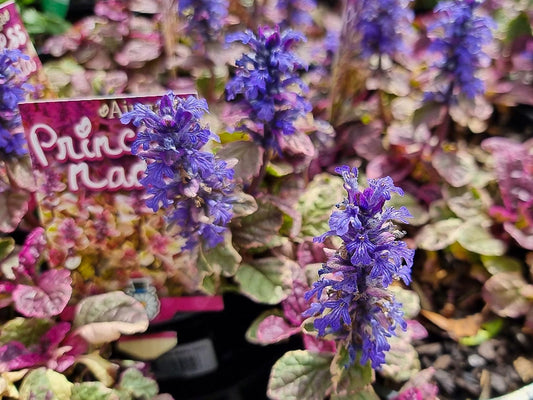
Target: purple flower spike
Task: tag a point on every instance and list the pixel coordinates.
(353, 302)
(459, 36)
(12, 92)
(263, 83)
(381, 24)
(297, 12)
(193, 184)
(205, 17)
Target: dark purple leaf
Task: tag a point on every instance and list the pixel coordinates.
(397, 167)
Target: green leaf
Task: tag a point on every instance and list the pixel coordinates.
(279, 168)
(366, 393)
(478, 240)
(488, 330)
(258, 229)
(266, 280)
(518, 26)
(20, 173)
(138, 385)
(349, 381)
(438, 235)
(28, 331)
(316, 203)
(45, 384)
(92, 391)
(7, 245)
(103, 318)
(222, 259)
(497, 264)
(251, 333)
(300, 375)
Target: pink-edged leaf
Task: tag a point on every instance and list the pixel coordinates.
(13, 207)
(524, 237)
(15, 356)
(310, 252)
(136, 53)
(56, 334)
(295, 304)
(458, 168)
(503, 293)
(20, 172)
(419, 387)
(47, 299)
(32, 250)
(297, 144)
(416, 330)
(274, 329)
(316, 345)
(513, 164)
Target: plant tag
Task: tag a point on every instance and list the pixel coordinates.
(92, 206)
(187, 360)
(13, 35)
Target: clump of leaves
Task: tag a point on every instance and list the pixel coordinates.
(42, 356)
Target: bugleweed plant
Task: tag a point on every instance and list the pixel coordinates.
(192, 184)
(351, 302)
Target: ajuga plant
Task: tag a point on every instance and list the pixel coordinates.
(264, 87)
(296, 12)
(12, 92)
(372, 33)
(205, 18)
(193, 185)
(458, 35)
(352, 302)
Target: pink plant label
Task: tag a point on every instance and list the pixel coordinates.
(13, 35)
(86, 141)
(92, 206)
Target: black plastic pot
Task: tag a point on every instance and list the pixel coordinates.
(242, 369)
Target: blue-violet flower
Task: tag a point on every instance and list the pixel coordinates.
(459, 35)
(12, 92)
(194, 184)
(205, 17)
(264, 81)
(381, 24)
(352, 299)
(297, 12)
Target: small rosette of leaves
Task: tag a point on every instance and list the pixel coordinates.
(352, 302)
(193, 185)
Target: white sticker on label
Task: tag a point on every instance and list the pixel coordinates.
(187, 360)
